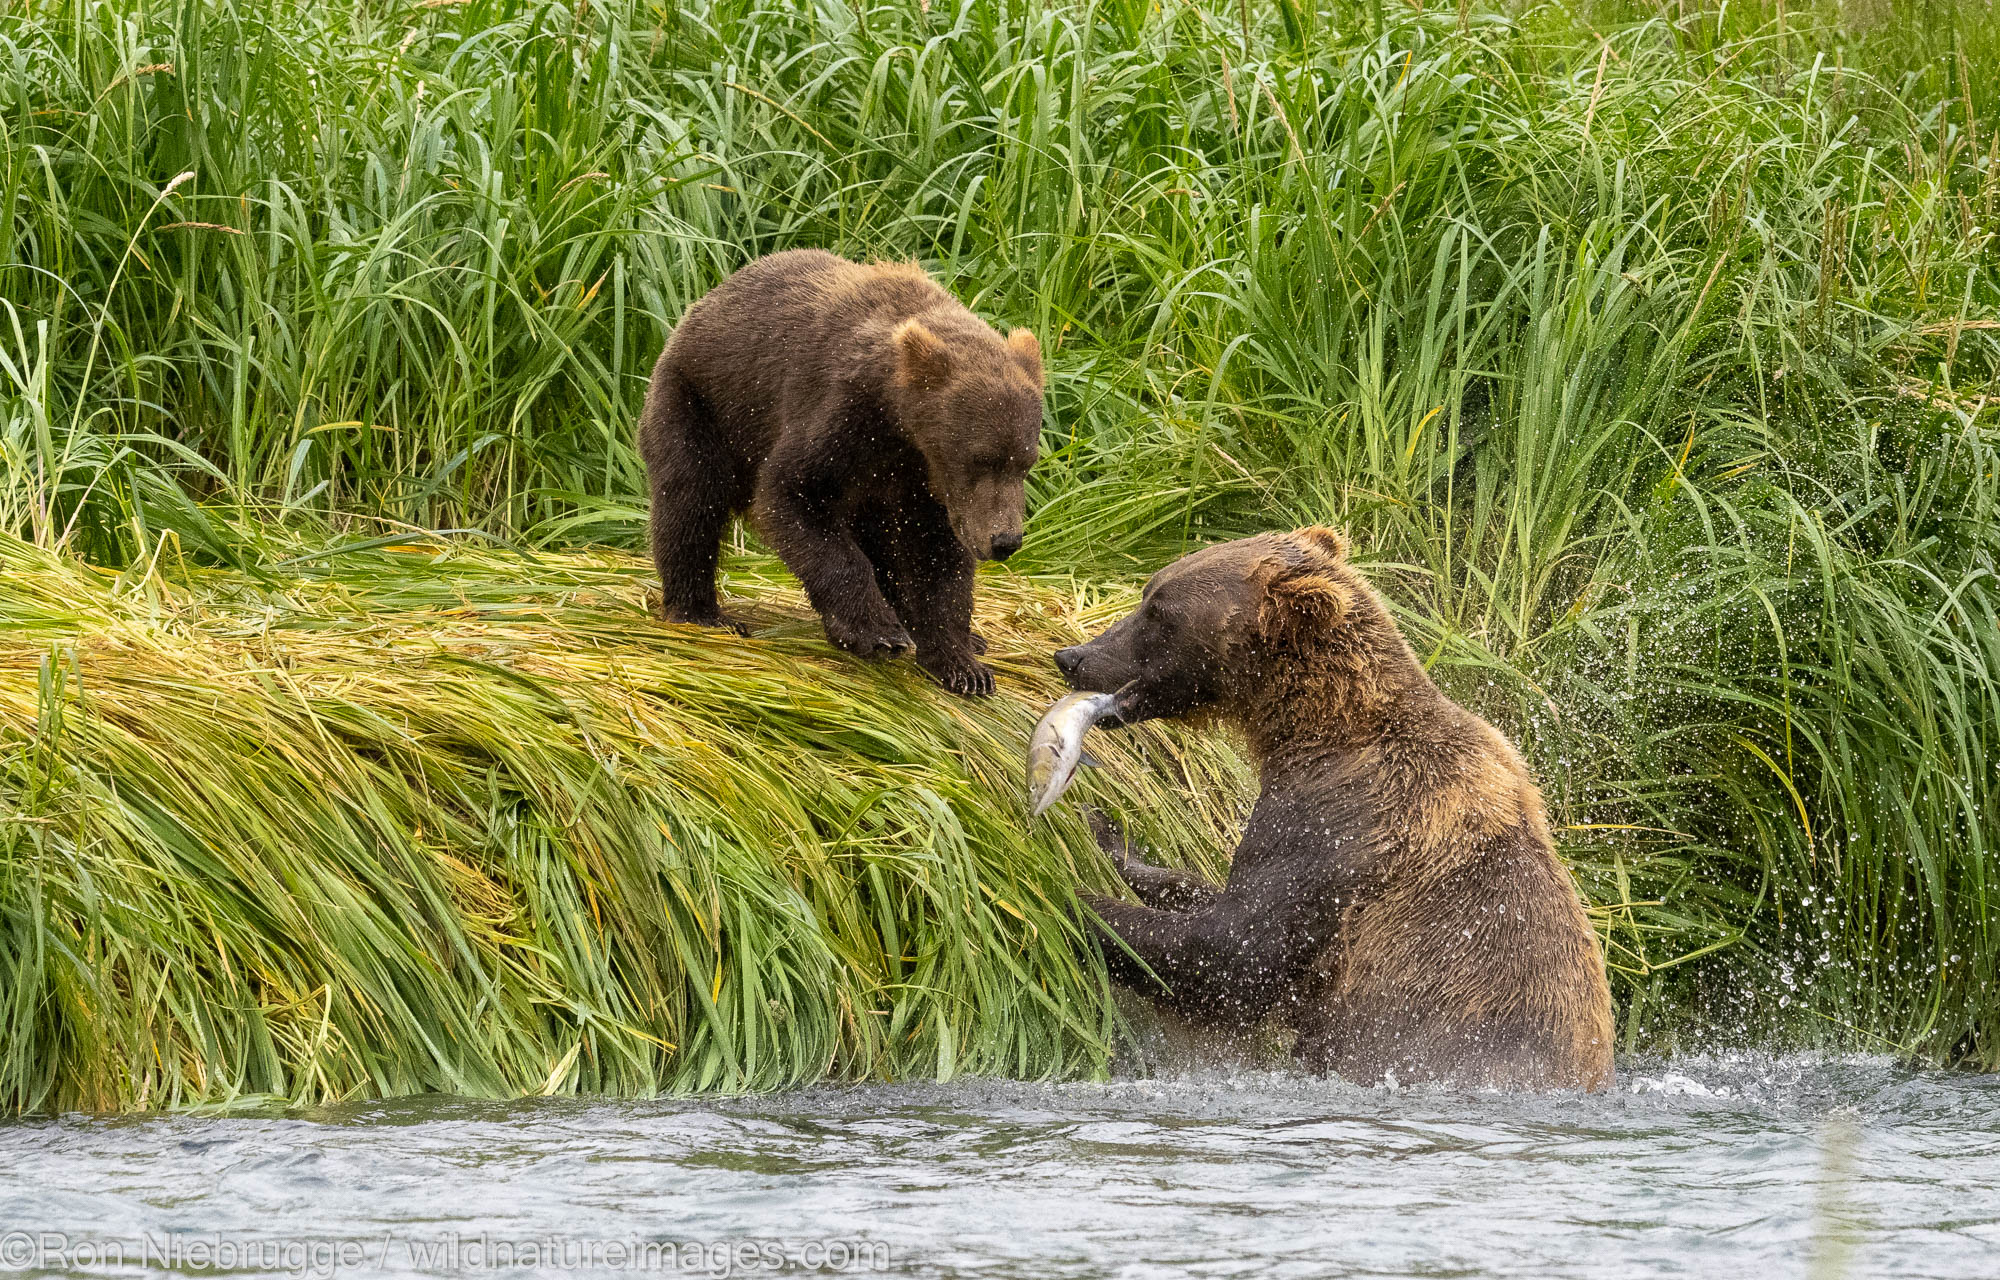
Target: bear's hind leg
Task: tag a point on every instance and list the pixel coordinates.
(693, 485)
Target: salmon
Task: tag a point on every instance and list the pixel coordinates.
(1056, 748)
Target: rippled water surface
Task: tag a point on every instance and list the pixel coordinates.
(1708, 1167)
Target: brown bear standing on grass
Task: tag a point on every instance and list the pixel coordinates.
(1396, 895)
(879, 433)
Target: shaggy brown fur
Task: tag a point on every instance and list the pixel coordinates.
(879, 433)
(1397, 896)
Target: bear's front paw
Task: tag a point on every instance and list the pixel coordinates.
(869, 638)
(976, 641)
(1110, 838)
(959, 672)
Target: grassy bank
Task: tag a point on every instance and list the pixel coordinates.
(1649, 353)
(420, 819)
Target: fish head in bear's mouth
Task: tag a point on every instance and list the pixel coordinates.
(1205, 625)
(1168, 657)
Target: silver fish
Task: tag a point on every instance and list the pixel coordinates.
(1056, 748)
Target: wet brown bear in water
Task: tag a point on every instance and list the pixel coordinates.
(879, 433)
(1396, 894)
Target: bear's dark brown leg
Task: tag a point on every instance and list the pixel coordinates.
(1156, 886)
(1234, 957)
(692, 481)
(927, 577)
(938, 607)
(1225, 964)
(797, 512)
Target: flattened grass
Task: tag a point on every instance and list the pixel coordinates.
(395, 821)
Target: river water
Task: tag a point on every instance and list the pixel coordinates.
(1720, 1166)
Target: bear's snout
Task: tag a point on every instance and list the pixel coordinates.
(1068, 660)
(1103, 664)
(1004, 545)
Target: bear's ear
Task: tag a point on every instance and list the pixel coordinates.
(1320, 538)
(1298, 606)
(1025, 347)
(921, 359)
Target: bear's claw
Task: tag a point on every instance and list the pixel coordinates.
(870, 640)
(961, 673)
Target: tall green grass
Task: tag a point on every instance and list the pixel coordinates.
(1650, 352)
